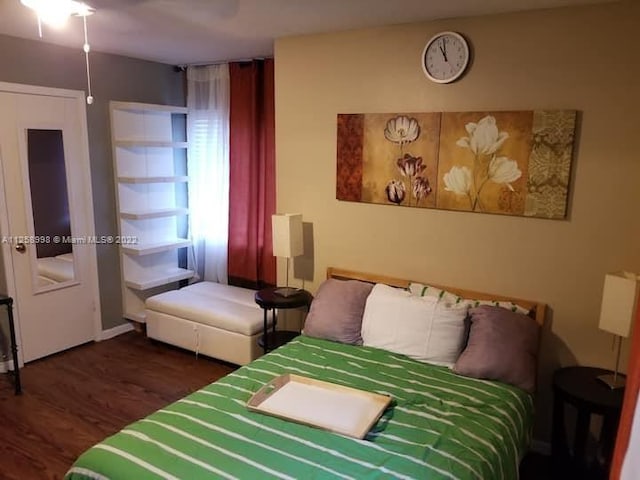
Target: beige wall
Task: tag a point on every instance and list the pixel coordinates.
(583, 58)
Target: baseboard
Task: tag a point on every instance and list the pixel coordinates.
(115, 331)
(7, 365)
(538, 446)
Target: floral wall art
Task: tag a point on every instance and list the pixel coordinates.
(513, 163)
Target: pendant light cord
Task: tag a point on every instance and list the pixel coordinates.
(67, 9)
(86, 49)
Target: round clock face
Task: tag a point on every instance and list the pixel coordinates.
(445, 57)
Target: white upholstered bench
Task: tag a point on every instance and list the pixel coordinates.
(217, 320)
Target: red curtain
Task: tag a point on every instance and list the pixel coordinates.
(629, 406)
(252, 191)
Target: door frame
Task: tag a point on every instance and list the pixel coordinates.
(84, 164)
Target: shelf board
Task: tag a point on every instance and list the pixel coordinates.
(157, 278)
(156, 247)
(154, 213)
(147, 107)
(150, 143)
(176, 179)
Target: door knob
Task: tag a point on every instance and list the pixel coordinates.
(21, 247)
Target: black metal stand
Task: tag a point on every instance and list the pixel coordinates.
(8, 302)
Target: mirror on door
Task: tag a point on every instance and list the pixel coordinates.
(50, 209)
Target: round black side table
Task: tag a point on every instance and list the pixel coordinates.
(268, 299)
(580, 388)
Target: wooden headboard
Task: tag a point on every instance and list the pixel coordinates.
(536, 309)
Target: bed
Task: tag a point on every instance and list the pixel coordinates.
(52, 270)
(440, 425)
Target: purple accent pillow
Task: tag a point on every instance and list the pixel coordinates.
(336, 311)
(502, 345)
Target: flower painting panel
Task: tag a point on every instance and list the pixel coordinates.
(399, 159)
(550, 163)
(349, 165)
(388, 158)
(510, 163)
(483, 161)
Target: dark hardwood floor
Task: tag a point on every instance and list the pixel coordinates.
(76, 398)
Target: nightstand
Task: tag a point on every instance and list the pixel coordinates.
(267, 299)
(580, 388)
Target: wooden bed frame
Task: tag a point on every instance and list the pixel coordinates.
(536, 309)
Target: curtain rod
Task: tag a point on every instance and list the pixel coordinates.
(182, 67)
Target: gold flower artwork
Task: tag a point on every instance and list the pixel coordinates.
(512, 163)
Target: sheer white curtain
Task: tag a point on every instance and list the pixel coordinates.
(208, 169)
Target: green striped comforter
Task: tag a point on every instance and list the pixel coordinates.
(440, 426)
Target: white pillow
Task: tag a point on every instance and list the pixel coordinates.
(420, 327)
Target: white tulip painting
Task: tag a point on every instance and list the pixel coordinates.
(502, 162)
(484, 141)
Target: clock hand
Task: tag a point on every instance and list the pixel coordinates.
(443, 49)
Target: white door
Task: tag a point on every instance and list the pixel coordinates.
(48, 240)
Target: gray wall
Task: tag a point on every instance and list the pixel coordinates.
(113, 77)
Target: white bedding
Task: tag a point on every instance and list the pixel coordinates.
(55, 269)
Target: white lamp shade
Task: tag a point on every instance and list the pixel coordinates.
(287, 235)
(619, 302)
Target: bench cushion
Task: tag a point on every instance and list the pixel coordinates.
(206, 305)
(226, 292)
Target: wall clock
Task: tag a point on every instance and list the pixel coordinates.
(445, 57)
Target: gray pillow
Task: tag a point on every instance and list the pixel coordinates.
(502, 346)
(336, 311)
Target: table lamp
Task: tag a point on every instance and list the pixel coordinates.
(619, 303)
(287, 243)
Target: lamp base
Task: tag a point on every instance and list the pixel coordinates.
(286, 291)
(613, 381)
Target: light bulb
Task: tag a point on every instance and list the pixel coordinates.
(52, 13)
(56, 13)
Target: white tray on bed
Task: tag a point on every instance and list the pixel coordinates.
(324, 405)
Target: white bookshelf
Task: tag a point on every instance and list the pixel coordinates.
(151, 248)
(150, 170)
(175, 179)
(149, 143)
(158, 277)
(154, 213)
